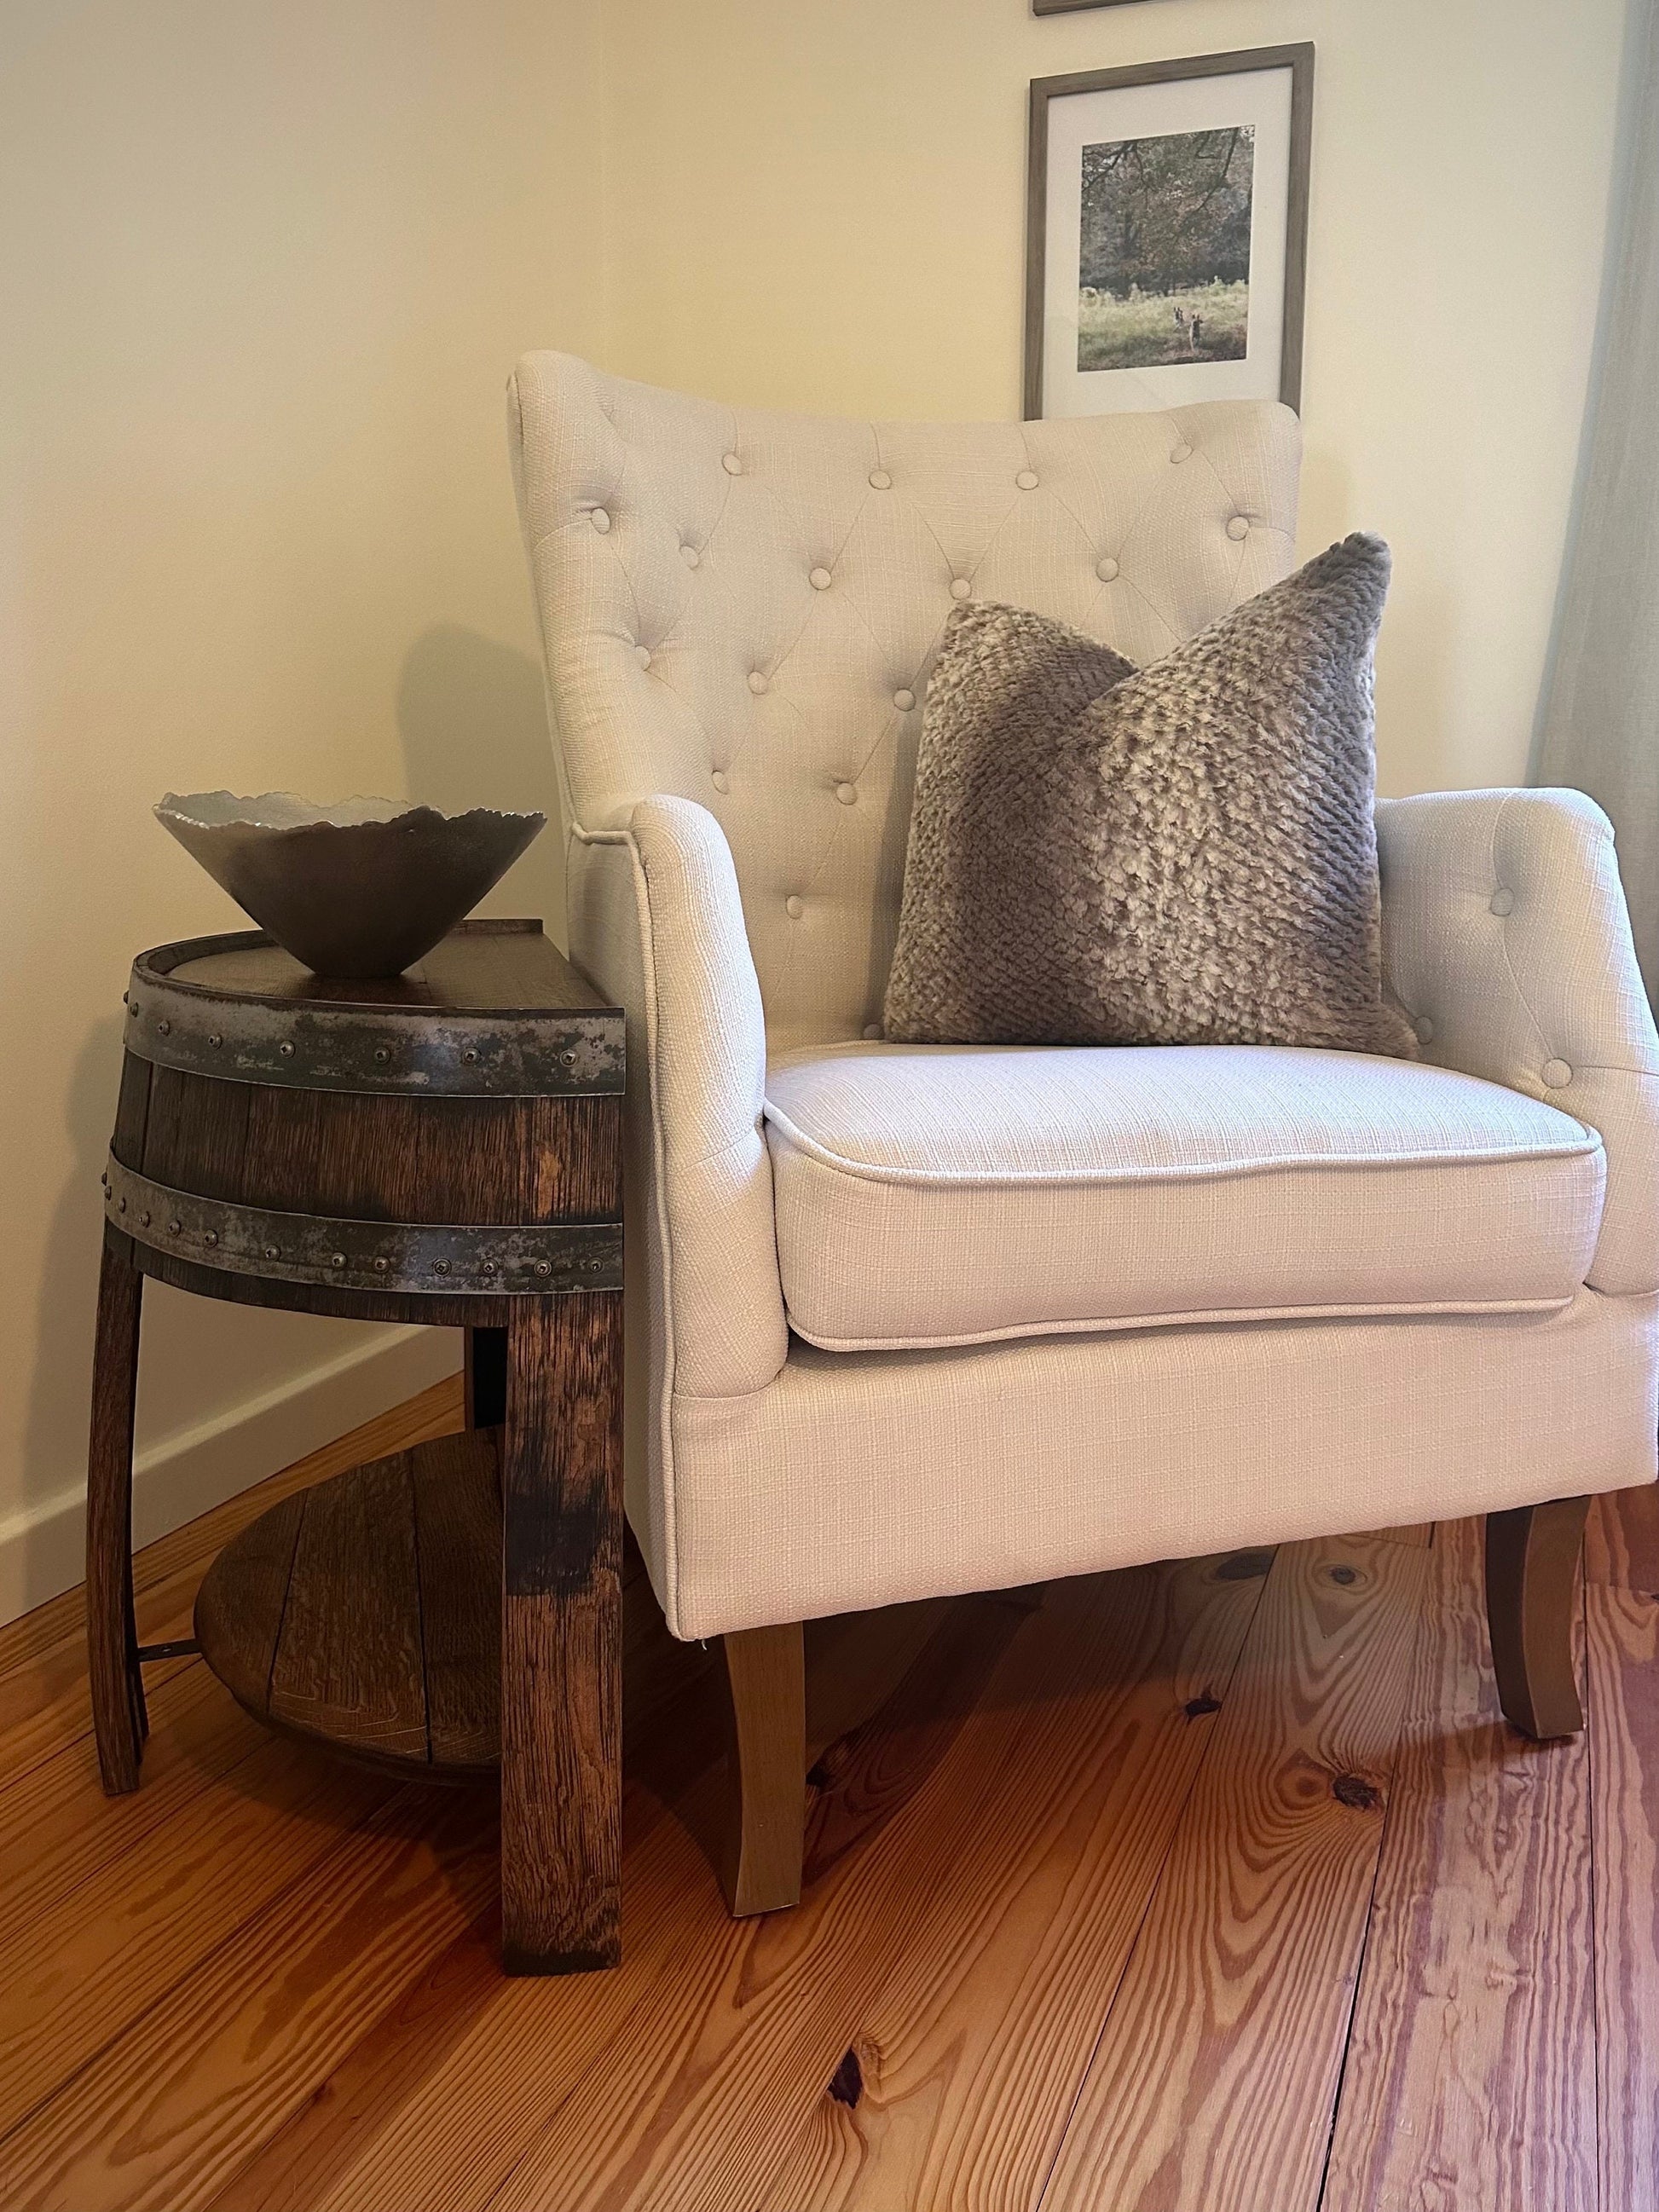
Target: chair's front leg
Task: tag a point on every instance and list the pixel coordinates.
(765, 1833)
(1532, 1561)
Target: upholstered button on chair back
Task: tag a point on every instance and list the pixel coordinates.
(748, 606)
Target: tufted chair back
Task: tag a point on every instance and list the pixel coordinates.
(742, 608)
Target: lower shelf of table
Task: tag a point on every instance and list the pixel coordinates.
(365, 1613)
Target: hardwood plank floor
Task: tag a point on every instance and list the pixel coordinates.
(1622, 1636)
(1621, 1542)
(1195, 1888)
(1018, 1954)
(1242, 1973)
(129, 1931)
(981, 1846)
(1471, 2071)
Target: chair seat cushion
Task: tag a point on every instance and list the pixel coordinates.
(954, 1194)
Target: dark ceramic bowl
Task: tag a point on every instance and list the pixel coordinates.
(362, 889)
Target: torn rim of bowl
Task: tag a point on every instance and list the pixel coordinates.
(286, 810)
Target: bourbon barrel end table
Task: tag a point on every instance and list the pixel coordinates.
(442, 1148)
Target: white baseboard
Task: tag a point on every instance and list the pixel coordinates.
(196, 1468)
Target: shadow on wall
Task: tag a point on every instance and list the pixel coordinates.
(473, 723)
(472, 716)
(1419, 629)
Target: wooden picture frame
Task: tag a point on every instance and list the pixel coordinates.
(1297, 62)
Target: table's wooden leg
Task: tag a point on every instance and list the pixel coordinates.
(485, 1377)
(562, 1636)
(118, 1695)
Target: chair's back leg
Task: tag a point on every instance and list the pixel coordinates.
(1532, 1560)
(766, 1823)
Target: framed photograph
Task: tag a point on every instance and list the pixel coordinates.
(1167, 233)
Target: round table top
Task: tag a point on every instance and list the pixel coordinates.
(494, 1010)
(481, 966)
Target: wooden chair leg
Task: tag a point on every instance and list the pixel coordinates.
(118, 1718)
(1532, 1560)
(766, 1827)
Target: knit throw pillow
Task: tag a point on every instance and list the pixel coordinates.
(1179, 854)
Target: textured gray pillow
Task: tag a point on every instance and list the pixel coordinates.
(1181, 854)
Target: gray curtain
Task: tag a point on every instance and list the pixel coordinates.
(1599, 717)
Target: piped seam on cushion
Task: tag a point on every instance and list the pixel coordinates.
(1209, 1318)
(1139, 1175)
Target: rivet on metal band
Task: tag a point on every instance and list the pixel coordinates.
(517, 1258)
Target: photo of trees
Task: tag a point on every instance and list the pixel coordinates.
(1164, 267)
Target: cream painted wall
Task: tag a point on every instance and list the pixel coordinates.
(822, 206)
(265, 267)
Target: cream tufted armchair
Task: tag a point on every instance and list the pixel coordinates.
(908, 1321)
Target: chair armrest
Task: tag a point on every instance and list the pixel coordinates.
(657, 922)
(1506, 939)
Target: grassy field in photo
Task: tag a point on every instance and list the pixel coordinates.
(1143, 332)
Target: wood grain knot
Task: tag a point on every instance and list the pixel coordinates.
(1195, 1708)
(1346, 1576)
(847, 2082)
(1244, 1566)
(820, 1775)
(1354, 1789)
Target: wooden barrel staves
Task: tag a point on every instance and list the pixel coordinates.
(371, 1150)
(443, 1147)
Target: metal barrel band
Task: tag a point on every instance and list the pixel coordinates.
(376, 1049)
(529, 1259)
